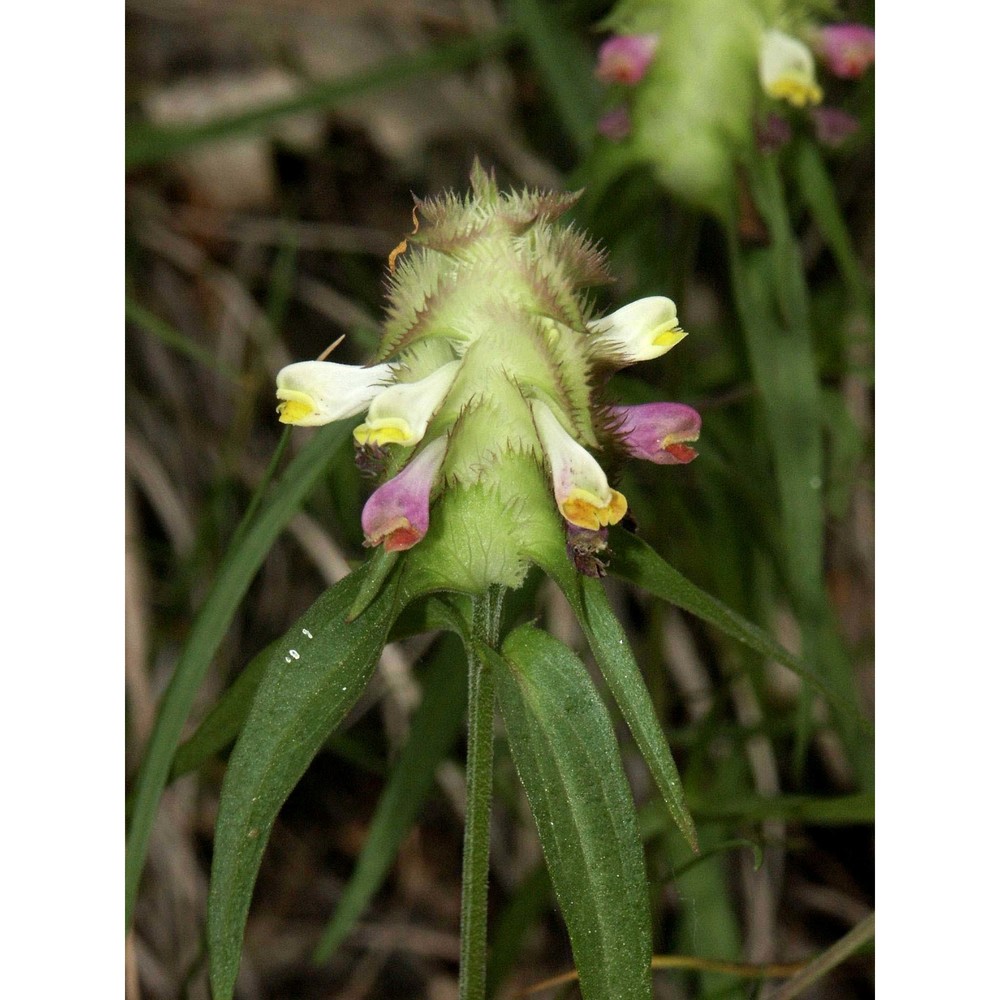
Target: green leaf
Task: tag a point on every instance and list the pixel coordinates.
(231, 583)
(434, 729)
(377, 570)
(840, 810)
(565, 752)
(636, 562)
(624, 678)
(312, 680)
(223, 723)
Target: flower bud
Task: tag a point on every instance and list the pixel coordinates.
(625, 58)
(847, 49)
(833, 126)
(398, 512)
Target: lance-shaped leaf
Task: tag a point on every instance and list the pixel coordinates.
(636, 562)
(313, 679)
(434, 729)
(565, 752)
(614, 657)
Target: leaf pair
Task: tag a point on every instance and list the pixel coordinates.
(561, 740)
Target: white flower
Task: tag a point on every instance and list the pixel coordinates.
(640, 331)
(318, 392)
(400, 414)
(580, 486)
(787, 70)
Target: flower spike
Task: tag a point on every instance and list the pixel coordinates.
(398, 512)
(400, 414)
(581, 488)
(486, 400)
(787, 70)
(657, 432)
(833, 126)
(640, 331)
(313, 393)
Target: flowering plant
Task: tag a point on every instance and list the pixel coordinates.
(485, 410)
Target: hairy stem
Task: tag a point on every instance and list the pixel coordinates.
(478, 783)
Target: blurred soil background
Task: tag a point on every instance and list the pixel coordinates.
(247, 253)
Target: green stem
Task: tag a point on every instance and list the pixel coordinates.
(478, 785)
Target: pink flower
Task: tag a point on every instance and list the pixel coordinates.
(833, 126)
(657, 431)
(772, 133)
(616, 124)
(398, 512)
(625, 58)
(847, 49)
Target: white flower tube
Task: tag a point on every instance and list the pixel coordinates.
(400, 414)
(313, 393)
(640, 331)
(580, 486)
(787, 71)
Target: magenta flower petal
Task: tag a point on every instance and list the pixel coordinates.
(616, 124)
(847, 49)
(625, 58)
(833, 126)
(398, 512)
(658, 432)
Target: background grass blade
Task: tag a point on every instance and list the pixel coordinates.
(565, 752)
(230, 585)
(435, 727)
(818, 192)
(146, 144)
(312, 679)
(565, 65)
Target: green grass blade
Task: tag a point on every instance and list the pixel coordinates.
(818, 193)
(435, 727)
(772, 299)
(146, 144)
(565, 65)
(564, 748)
(210, 626)
(531, 900)
(614, 656)
(173, 338)
(312, 680)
